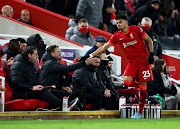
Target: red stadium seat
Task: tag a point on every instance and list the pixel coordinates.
(6, 44)
(74, 61)
(2, 38)
(88, 106)
(41, 63)
(63, 61)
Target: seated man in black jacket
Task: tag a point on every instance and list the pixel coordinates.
(54, 73)
(95, 91)
(12, 49)
(25, 82)
(107, 81)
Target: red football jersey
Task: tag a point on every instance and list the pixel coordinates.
(132, 43)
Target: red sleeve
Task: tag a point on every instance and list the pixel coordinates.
(141, 32)
(113, 40)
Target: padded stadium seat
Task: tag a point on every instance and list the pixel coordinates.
(40, 103)
(88, 106)
(63, 61)
(41, 63)
(6, 44)
(74, 61)
(2, 38)
(21, 104)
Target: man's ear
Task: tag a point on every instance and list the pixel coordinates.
(29, 56)
(126, 21)
(52, 54)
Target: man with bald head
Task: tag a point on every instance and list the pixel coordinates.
(7, 11)
(25, 17)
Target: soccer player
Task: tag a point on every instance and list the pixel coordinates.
(131, 39)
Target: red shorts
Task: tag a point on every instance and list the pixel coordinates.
(142, 70)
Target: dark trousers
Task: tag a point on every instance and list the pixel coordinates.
(54, 100)
(111, 103)
(95, 99)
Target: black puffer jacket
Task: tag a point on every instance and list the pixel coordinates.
(54, 73)
(84, 78)
(119, 6)
(106, 78)
(33, 41)
(23, 76)
(10, 53)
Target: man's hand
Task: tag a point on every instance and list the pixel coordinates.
(156, 57)
(151, 58)
(111, 10)
(4, 57)
(37, 87)
(107, 93)
(66, 88)
(89, 60)
(10, 61)
(2, 89)
(105, 27)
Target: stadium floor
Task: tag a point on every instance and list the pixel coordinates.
(114, 123)
(52, 115)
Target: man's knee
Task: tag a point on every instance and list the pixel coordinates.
(143, 87)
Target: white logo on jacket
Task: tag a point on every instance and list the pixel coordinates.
(129, 43)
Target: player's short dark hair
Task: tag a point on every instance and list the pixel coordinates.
(83, 21)
(121, 16)
(51, 48)
(28, 50)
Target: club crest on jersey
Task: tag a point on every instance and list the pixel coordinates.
(131, 36)
(129, 43)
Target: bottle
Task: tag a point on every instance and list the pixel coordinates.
(146, 111)
(123, 111)
(122, 100)
(65, 104)
(128, 110)
(133, 110)
(158, 108)
(153, 111)
(137, 108)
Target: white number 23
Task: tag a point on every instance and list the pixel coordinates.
(146, 74)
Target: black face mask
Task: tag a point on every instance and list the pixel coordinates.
(147, 31)
(104, 62)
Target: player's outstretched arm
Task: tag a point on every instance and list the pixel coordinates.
(101, 49)
(150, 43)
